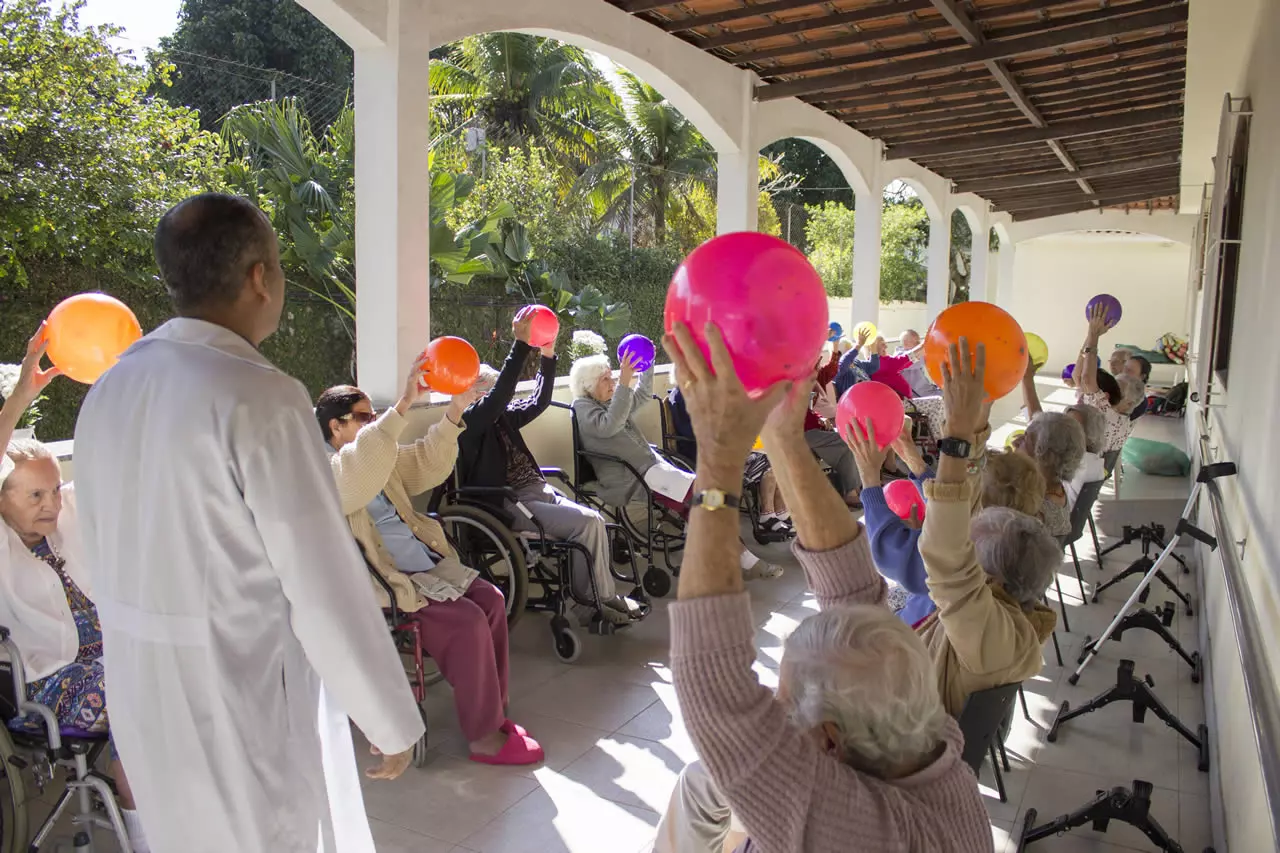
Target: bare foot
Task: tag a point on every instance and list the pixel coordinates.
(490, 744)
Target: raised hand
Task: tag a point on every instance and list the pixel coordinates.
(522, 323)
(861, 438)
(1098, 324)
(627, 371)
(32, 378)
(963, 394)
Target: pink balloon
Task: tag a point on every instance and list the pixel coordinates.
(876, 402)
(766, 298)
(544, 326)
(901, 496)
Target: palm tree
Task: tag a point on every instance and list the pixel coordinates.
(520, 90)
(654, 160)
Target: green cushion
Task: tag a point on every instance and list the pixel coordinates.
(1155, 457)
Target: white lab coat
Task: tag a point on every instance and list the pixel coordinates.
(229, 589)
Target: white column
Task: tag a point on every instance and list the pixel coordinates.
(868, 208)
(393, 292)
(737, 191)
(1004, 279)
(979, 251)
(939, 265)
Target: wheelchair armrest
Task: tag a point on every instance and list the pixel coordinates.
(53, 733)
(481, 491)
(555, 474)
(386, 587)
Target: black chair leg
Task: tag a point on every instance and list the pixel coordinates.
(1022, 697)
(1062, 603)
(1057, 650)
(1097, 546)
(995, 769)
(1079, 576)
(1004, 757)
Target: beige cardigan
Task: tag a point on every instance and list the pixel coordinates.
(376, 462)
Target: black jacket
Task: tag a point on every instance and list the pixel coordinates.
(482, 457)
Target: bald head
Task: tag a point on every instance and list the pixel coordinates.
(206, 246)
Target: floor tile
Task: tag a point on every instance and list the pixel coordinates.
(389, 838)
(590, 698)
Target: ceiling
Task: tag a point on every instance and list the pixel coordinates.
(1042, 107)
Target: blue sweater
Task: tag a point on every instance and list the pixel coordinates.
(895, 549)
(852, 371)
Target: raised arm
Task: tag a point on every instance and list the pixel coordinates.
(1086, 373)
(363, 466)
(643, 391)
(290, 491)
(761, 760)
(524, 411)
(596, 422)
(32, 380)
(1030, 397)
(484, 413)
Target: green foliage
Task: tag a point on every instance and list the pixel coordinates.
(88, 161)
(274, 34)
(904, 245)
(521, 90)
(829, 233)
(816, 173)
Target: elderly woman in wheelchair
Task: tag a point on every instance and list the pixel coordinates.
(50, 624)
(605, 409)
(462, 619)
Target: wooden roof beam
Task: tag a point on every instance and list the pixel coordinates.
(1058, 210)
(1006, 139)
(857, 16)
(1034, 196)
(1002, 49)
(750, 11)
(1120, 167)
(971, 82)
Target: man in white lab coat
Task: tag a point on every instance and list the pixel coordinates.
(239, 624)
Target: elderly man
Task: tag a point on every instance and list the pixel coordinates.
(856, 751)
(915, 375)
(239, 624)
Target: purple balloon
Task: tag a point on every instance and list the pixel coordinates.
(1068, 371)
(640, 349)
(1109, 303)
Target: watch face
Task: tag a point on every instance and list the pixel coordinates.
(713, 500)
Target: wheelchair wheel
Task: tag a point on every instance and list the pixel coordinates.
(13, 802)
(487, 546)
(657, 582)
(420, 749)
(567, 644)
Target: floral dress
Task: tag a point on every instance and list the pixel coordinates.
(75, 693)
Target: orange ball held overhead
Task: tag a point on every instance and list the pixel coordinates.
(87, 334)
(451, 365)
(982, 323)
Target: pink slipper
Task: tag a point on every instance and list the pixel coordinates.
(518, 750)
(509, 728)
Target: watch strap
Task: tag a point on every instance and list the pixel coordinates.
(714, 499)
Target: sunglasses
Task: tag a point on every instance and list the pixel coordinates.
(360, 417)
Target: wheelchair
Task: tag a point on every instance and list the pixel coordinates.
(679, 447)
(405, 634)
(36, 758)
(549, 560)
(664, 530)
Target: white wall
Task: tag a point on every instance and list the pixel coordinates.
(1244, 430)
(895, 317)
(1055, 276)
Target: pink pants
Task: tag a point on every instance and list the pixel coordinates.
(467, 639)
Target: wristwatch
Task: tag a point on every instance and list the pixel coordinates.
(714, 499)
(955, 447)
(1086, 350)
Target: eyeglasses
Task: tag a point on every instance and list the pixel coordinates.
(360, 417)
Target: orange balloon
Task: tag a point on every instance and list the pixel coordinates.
(87, 333)
(982, 323)
(451, 367)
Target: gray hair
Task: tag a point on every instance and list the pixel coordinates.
(586, 372)
(1095, 426)
(1018, 549)
(1133, 390)
(19, 451)
(864, 670)
(486, 378)
(1056, 441)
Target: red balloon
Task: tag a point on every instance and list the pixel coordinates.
(87, 333)
(982, 323)
(876, 402)
(451, 365)
(543, 327)
(766, 298)
(901, 496)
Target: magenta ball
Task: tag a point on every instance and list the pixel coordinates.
(544, 326)
(1110, 303)
(901, 496)
(766, 298)
(872, 401)
(640, 349)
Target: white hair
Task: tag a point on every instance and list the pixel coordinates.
(586, 372)
(1057, 443)
(1095, 425)
(19, 451)
(1018, 549)
(1132, 390)
(906, 332)
(486, 378)
(864, 670)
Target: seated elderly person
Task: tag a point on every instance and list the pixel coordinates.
(1091, 468)
(855, 752)
(1056, 442)
(1139, 368)
(916, 375)
(605, 409)
(892, 367)
(492, 453)
(45, 584)
(1115, 398)
(462, 619)
(852, 369)
(1006, 480)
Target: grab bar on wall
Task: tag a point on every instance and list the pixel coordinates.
(1260, 688)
